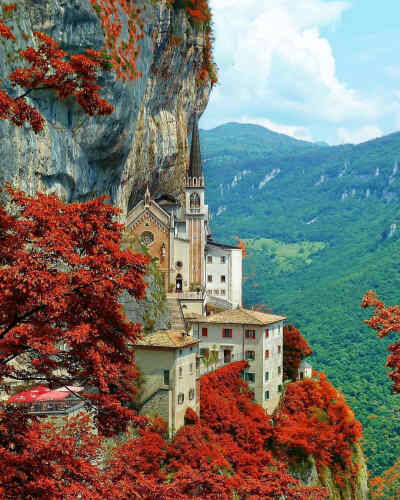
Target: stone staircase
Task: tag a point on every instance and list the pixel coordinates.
(175, 314)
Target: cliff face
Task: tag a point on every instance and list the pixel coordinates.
(355, 488)
(144, 140)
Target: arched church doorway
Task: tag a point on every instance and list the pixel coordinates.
(179, 283)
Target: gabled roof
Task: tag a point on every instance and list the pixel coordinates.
(166, 339)
(242, 317)
(304, 364)
(195, 169)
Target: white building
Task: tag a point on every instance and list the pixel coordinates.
(242, 334)
(167, 361)
(304, 371)
(179, 236)
(223, 273)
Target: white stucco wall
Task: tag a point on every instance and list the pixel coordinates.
(239, 345)
(153, 362)
(181, 254)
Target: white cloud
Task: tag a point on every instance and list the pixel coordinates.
(273, 60)
(296, 131)
(363, 134)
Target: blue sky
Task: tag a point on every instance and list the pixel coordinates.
(313, 69)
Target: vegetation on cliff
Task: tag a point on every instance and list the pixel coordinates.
(319, 234)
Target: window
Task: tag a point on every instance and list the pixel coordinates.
(191, 368)
(267, 333)
(191, 394)
(166, 377)
(195, 202)
(204, 332)
(250, 377)
(209, 278)
(279, 349)
(250, 334)
(279, 388)
(204, 353)
(222, 292)
(223, 259)
(266, 354)
(147, 238)
(181, 398)
(216, 292)
(250, 354)
(266, 395)
(227, 332)
(179, 264)
(279, 370)
(223, 278)
(209, 259)
(180, 371)
(266, 376)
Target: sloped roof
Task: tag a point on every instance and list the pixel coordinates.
(166, 339)
(242, 317)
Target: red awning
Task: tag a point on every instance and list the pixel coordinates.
(29, 396)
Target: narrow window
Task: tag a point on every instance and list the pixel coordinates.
(267, 333)
(266, 354)
(223, 279)
(266, 376)
(191, 368)
(166, 377)
(279, 388)
(209, 278)
(250, 354)
(181, 398)
(279, 370)
(223, 259)
(209, 259)
(250, 334)
(222, 292)
(227, 333)
(279, 349)
(266, 395)
(204, 332)
(191, 394)
(250, 377)
(180, 371)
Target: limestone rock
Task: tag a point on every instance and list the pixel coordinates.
(144, 141)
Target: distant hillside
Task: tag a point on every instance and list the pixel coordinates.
(322, 224)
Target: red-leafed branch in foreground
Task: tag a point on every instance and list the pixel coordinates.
(386, 320)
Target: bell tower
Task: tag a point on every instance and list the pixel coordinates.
(196, 211)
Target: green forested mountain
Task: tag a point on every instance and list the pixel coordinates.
(322, 226)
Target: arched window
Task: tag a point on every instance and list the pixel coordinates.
(195, 202)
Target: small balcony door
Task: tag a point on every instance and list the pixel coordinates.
(227, 355)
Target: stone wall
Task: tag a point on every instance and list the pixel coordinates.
(157, 404)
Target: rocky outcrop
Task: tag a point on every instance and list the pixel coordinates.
(355, 488)
(145, 140)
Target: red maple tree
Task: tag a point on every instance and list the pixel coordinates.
(62, 271)
(295, 348)
(50, 68)
(314, 419)
(386, 320)
(41, 461)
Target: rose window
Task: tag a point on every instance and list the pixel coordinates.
(147, 238)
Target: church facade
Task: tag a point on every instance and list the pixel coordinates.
(192, 263)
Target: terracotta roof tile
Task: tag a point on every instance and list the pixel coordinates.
(166, 338)
(242, 317)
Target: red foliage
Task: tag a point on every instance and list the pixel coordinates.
(51, 69)
(295, 348)
(5, 32)
(314, 419)
(123, 52)
(62, 271)
(387, 485)
(242, 245)
(42, 462)
(386, 320)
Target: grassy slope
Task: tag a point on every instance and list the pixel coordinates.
(354, 253)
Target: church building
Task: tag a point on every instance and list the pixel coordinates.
(200, 271)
